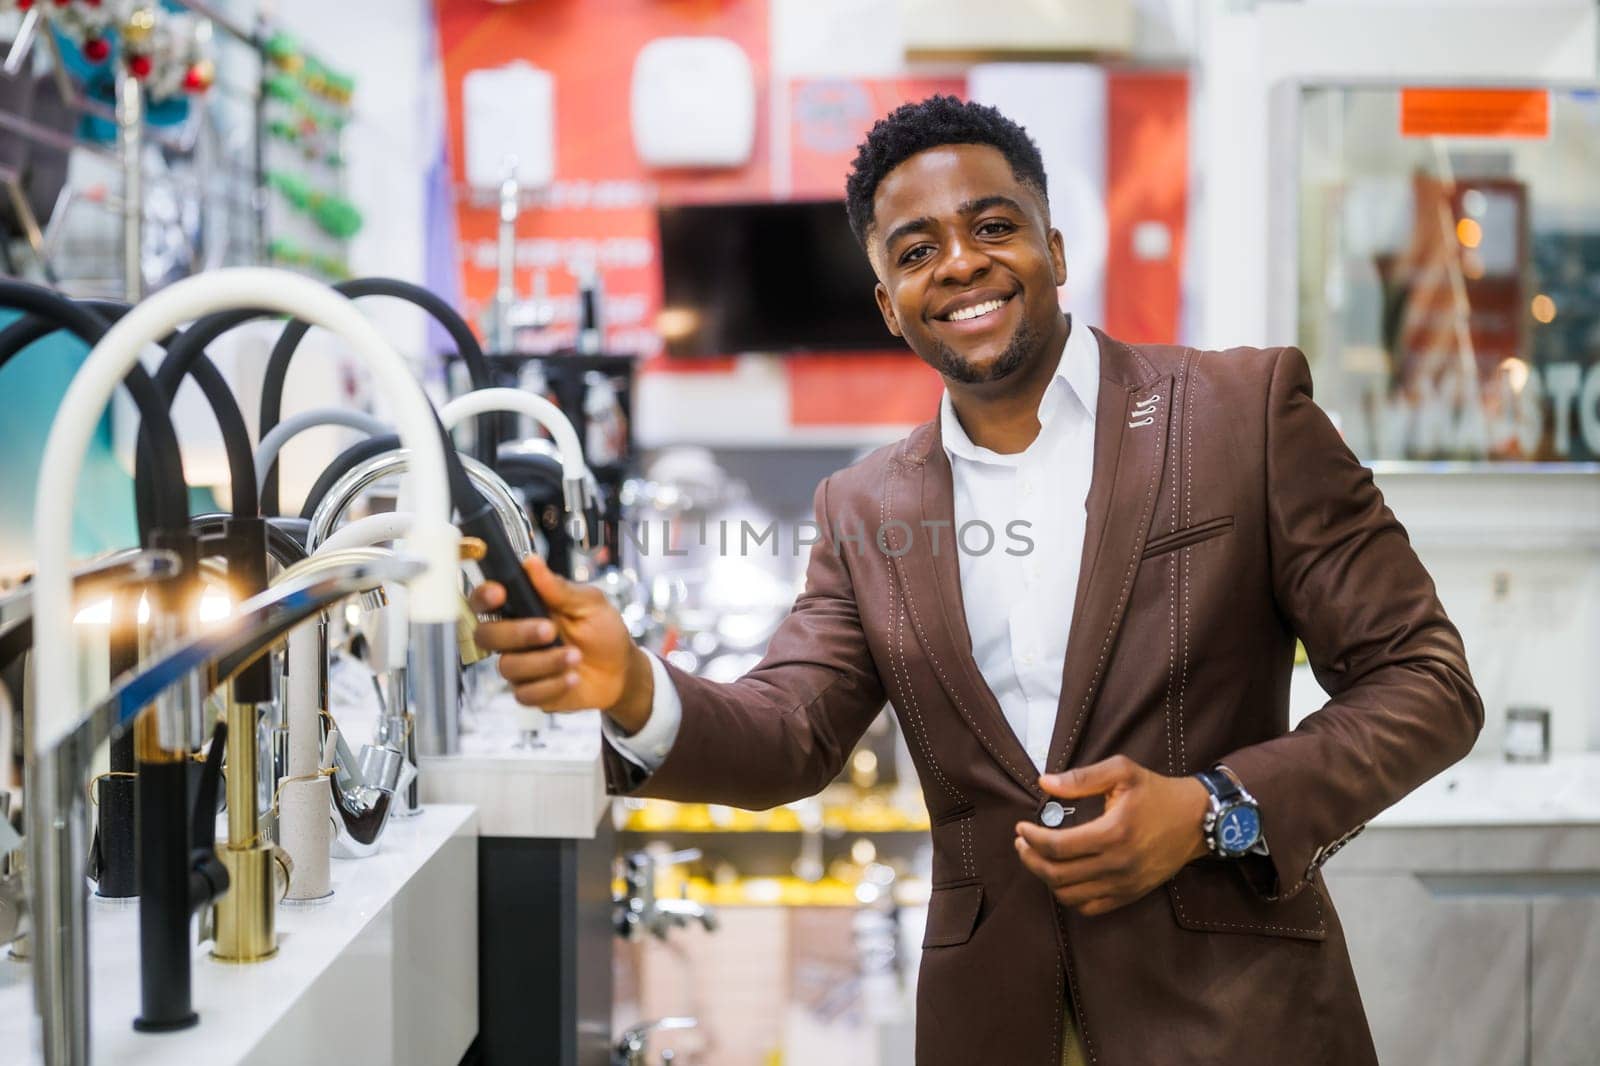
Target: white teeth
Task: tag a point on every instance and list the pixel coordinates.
(975, 310)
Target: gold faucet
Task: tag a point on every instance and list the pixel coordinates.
(258, 872)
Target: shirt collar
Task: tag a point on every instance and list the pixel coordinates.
(1077, 377)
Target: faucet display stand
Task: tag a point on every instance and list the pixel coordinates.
(545, 852)
(346, 986)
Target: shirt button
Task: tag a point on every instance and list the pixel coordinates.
(1027, 659)
(1027, 488)
(1053, 814)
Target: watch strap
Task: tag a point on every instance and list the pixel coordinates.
(1222, 786)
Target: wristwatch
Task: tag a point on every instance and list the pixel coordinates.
(1232, 826)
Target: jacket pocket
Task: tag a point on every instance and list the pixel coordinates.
(1214, 897)
(1191, 535)
(952, 915)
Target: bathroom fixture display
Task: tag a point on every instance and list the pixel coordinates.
(433, 538)
(56, 815)
(641, 910)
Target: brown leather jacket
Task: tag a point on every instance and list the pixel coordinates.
(1225, 518)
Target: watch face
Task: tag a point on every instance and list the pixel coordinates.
(1238, 828)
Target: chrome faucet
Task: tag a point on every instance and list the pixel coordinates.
(361, 789)
(433, 734)
(343, 493)
(56, 808)
(639, 909)
(632, 1046)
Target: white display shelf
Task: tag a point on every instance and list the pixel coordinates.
(384, 970)
(556, 789)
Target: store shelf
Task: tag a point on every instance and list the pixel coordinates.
(344, 986)
(873, 815)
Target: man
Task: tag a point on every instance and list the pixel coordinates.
(1126, 835)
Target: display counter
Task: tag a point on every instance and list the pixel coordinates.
(384, 970)
(1472, 910)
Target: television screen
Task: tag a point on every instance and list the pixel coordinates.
(773, 277)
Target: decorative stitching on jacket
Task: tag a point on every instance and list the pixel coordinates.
(1172, 655)
(901, 676)
(1321, 926)
(916, 622)
(1185, 415)
(1172, 719)
(1122, 599)
(885, 515)
(1083, 1021)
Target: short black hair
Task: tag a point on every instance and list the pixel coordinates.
(930, 123)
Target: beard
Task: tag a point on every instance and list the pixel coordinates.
(954, 367)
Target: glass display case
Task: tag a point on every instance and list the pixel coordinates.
(1447, 242)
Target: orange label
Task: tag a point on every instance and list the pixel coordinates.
(1474, 113)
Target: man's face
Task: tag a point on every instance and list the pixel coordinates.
(967, 263)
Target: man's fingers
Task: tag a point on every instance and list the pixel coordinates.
(1105, 904)
(1059, 845)
(489, 596)
(549, 694)
(557, 592)
(515, 634)
(1061, 874)
(525, 666)
(1090, 893)
(1096, 779)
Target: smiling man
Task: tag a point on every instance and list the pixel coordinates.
(1126, 834)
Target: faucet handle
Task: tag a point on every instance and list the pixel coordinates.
(675, 858)
(206, 927)
(630, 1047)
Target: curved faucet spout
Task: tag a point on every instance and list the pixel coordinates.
(330, 511)
(575, 476)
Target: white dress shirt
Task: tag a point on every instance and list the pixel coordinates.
(1019, 599)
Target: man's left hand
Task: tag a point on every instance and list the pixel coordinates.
(1149, 831)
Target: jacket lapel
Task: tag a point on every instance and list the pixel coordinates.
(920, 489)
(1130, 442)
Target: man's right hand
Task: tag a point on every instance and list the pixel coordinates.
(596, 665)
